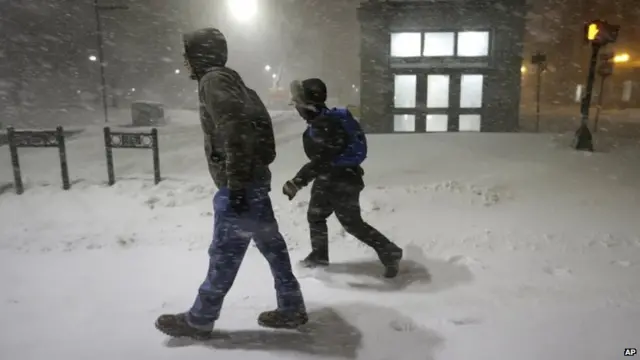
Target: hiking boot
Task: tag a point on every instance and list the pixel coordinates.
(177, 325)
(314, 260)
(277, 319)
(391, 262)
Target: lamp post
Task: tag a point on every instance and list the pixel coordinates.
(100, 42)
(540, 61)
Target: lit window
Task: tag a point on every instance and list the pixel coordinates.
(437, 123)
(473, 43)
(404, 91)
(470, 122)
(404, 123)
(438, 91)
(405, 44)
(439, 44)
(471, 91)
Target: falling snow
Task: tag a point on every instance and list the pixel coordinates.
(516, 245)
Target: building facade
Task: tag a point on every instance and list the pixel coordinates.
(438, 65)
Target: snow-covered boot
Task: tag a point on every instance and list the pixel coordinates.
(280, 320)
(314, 259)
(177, 325)
(391, 261)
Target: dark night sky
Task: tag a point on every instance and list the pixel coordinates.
(51, 40)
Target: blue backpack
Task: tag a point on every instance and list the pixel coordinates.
(356, 151)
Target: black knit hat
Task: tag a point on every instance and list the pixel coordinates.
(309, 92)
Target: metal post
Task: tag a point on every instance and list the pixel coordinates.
(599, 106)
(109, 152)
(538, 89)
(100, 43)
(583, 137)
(586, 100)
(540, 60)
(64, 166)
(156, 156)
(15, 162)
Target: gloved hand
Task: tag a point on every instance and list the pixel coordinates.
(290, 189)
(238, 201)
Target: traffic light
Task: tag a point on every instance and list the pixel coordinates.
(600, 32)
(592, 31)
(605, 68)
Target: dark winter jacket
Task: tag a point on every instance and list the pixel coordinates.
(238, 133)
(330, 140)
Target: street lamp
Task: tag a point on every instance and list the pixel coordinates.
(103, 81)
(621, 58)
(177, 71)
(93, 58)
(243, 10)
(538, 59)
(267, 68)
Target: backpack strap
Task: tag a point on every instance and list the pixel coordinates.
(341, 112)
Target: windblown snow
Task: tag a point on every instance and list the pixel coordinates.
(517, 247)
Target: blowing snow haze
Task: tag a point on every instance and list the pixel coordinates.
(54, 42)
(418, 196)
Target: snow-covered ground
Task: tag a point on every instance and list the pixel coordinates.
(517, 248)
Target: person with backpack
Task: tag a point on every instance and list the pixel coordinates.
(336, 147)
(239, 145)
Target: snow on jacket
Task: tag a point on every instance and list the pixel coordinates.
(238, 133)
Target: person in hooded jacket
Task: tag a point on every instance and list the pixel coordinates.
(239, 146)
(336, 147)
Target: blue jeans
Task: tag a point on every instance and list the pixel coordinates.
(232, 234)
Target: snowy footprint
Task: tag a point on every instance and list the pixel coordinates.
(417, 273)
(367, 274)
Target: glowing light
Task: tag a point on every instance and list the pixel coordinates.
(243, 10)
(592, 32)
(621, 58)
(274, 76)
(267, 68)
(523, 69)
(177, 71)
(93, 58)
